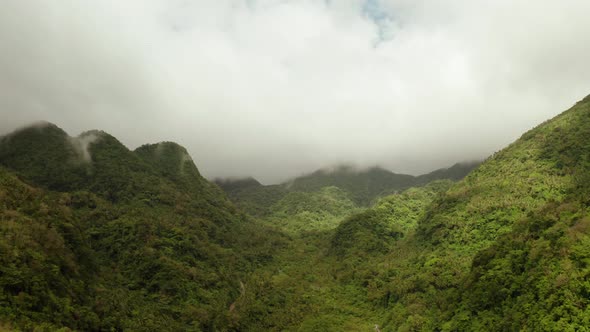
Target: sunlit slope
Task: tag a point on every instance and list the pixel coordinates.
(504, 249)
(545, 165)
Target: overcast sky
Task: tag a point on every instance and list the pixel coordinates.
(277, 88)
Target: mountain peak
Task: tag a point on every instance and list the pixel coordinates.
(171, 160)
(37, 128)
(231, 184)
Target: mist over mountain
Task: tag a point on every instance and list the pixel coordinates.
(298, 166)
(362, 185)
(95, 236)
(276, 89)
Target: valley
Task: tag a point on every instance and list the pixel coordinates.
(97, 237)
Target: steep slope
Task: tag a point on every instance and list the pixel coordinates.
(231, 185)
(455, 173)
(165, 249)
(536, 276)
(506, 248)
(46, 265)
(393, 217)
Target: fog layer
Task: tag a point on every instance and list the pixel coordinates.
(277, 88)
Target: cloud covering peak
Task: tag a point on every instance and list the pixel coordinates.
(274, 89)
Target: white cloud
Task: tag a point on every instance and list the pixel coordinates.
(276, 88)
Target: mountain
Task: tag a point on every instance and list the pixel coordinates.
(298, 212)
(292, 212)
(455, 173)
(506, 248)
(98, 237)
(232, 185)
(320, 200)
(365, 186)
(362, 186)
(390, 219)
(251, 196)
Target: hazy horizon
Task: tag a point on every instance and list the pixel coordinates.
(325, 168)
(275, 89)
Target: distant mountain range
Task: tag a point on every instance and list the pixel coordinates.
(362, 186)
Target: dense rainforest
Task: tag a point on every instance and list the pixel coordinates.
(96, 237)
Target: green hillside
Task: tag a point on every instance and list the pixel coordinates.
(96, 237)
(319, 282)
(251, 196)
(365, 186)
(504, 249)
(120, 240)
(321, 200)
(298, 212)
(392, 218)
(455, 173)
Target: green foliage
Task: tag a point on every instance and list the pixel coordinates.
(454, 173)
(96, 237)
(513, 235)
(299, 212)
(504, 249)
(363, 186)
(138, 242)
(44, 154)
(393, 217)
(46, 266)
(256, 200)
(534, 278)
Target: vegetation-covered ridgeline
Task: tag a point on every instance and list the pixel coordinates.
(363, 185)
(251, 196)
(505, 249)
(318, 282)
(321, 200)
(96, 237)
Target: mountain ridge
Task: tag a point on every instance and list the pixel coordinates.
(98, 237)
(134, 240)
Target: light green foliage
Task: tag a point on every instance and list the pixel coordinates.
(493, 252)
(405, 209)
(393, 217)
(325, 280)
(139, 241)
(535, 278)
(299, 212)
(505, 249)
